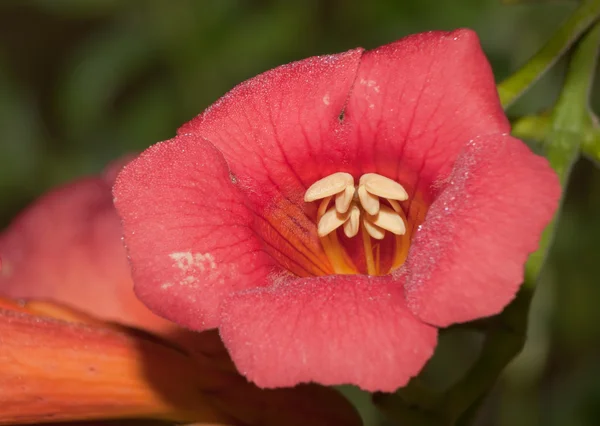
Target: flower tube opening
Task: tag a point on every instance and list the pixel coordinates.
(374, 208)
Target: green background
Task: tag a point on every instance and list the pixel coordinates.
(84, 81)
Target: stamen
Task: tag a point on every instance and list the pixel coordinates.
(377, 250)
(369, 201)
(389, 220)
(396, 206)
(343, 199)
(373, 230)
(402, 241)
(331, 220)
(368, 249)
(383, 187)
(323, 207)
(329, 185)
(352, 224)
(359, 208)
(338, 258)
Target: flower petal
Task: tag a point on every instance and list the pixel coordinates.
(414, 105)
(272, 128)
(52, 370)
(467, 260)
(66, 247)
(332, 330)
(188, 231)
(272, 131)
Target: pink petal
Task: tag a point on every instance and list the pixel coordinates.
(414, 105)
(188, 231)
(178, 199)
(417, 101)
(272, 131)
(272, 128)
(331, 330)
(467, 260)
(66, 247)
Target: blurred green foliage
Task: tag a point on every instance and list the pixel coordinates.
(84, 81)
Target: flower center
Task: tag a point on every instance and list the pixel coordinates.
(372, 208)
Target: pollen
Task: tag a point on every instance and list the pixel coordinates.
(373, 206)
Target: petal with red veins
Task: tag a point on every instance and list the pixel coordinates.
(416, 102)
(188, 231)
(273, 128)
(467, 260)
(332, 330)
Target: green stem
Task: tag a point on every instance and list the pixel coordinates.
(533, 127)
(538, 127)
(570, 120)
(581, 19)
(591, 140)
(571, 111)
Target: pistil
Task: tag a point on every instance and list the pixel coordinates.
(373, 206)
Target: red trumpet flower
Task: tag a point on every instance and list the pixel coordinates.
(329, 215)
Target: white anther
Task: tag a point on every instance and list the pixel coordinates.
(389, 220)
(343, 199)
(373, 230)
(369, 201)
(377, 217)
(329, 185)
(383, 187)
(395, 205)
(330, 221)
(353, 222)
(323, 206)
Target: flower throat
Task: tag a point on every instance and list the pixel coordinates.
(373, 209)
